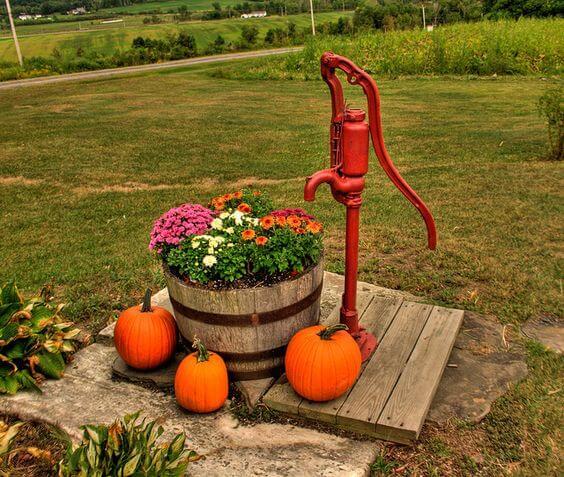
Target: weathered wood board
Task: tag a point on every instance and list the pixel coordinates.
(391, 398)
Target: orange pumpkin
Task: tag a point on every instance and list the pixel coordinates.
(145, 337)
(201, 384)
(322, 363)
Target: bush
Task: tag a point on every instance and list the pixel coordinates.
(550, 108)
(35, 341)
(126, 448)
(249, 34)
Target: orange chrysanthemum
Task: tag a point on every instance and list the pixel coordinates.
(294, 221)
(280, 221)
(314, 227)
(218, 203)
(245, 208)
(299, 230)
(227, 197)
(238, 194)
(256, 193)
(267, 222)
(261, 240)
(248, 234)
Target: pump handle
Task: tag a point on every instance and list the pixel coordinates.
(357, 76)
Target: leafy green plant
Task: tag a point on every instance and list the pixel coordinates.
(247, 240)
(550, 108)
(35, 341)
(126, 448)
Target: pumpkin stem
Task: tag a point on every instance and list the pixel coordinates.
(327, 333)
(146, 306)
(203, 353)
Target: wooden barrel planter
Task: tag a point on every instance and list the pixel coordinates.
(250, 327)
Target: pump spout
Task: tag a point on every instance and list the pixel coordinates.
(314, 181)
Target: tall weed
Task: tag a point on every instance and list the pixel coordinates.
(507, 47)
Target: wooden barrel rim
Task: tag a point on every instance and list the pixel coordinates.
(249, 319)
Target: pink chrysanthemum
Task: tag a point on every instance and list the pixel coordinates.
(178, 223)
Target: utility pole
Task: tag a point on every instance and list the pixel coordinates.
(13, 27)
(312, 20)
(424, 23)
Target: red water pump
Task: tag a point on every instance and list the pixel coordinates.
(349, 144)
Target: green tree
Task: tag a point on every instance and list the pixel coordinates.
(249, 34)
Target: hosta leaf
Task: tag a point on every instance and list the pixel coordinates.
(41, 317)
(97, 433)
(7, 437)
(176, 446)
(8, 333)
(68, 346)
(16, 349)
(6, 312)
(6, 367)
(51, 364)
(9, 384)
(52, 346)
(131, 466)
(10, 294)
(27, 381)
(92, 455)
(72, 334)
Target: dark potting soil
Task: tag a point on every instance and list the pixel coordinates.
(249, 281)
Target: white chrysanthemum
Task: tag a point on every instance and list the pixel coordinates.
(237, 216)
(209, 260)
(231, 245)
(216, 224)
(210, 250)
(220, 239)
(230, 230)
(195, 244)
(224, 215)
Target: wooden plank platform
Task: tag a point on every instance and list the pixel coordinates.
(391, 398)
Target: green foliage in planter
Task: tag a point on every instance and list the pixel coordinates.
(550, 108)
(126, 449)
(35, 341)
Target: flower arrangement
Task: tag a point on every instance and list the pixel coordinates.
(239, 240)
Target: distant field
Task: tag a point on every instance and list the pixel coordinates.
(164, 6)
(109, 40)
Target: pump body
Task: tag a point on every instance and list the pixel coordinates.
(349, 148)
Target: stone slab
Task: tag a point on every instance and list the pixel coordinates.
(480, 370)
(161, 378)
(548, 330)
(87, 394)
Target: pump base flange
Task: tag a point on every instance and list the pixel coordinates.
(366, 342)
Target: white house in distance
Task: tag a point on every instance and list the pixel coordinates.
(77, 11)
(25, 16)
(257, 14)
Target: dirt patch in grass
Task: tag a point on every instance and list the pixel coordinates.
(453, 450)
(125, 188)
(35, 450)
(19, 181)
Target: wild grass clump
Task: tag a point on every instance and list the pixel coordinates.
(550, 108)
(523, 47)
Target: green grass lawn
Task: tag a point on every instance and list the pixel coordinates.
(85, 168)
(109, 39)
